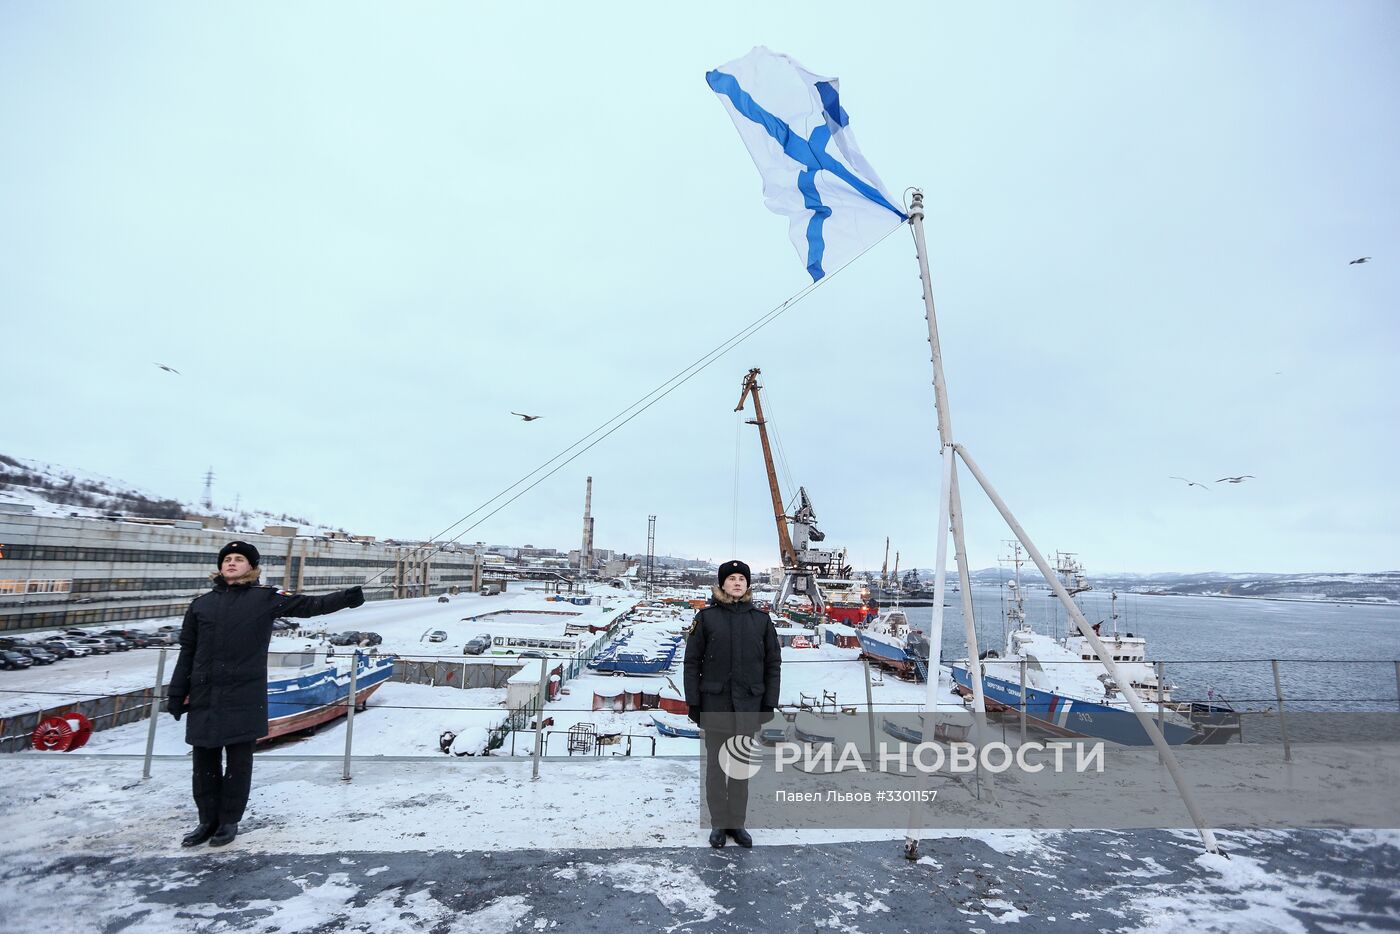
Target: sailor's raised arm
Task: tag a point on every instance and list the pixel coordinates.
(303, 605)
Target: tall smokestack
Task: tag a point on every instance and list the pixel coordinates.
(585, 552)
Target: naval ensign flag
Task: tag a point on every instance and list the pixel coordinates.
(799, 136)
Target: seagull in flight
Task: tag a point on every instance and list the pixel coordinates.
(528, 418)
(168, 369)
(1358, 262)
(1191, 482)
(1240, 479)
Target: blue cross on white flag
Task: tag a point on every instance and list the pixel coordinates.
(791, 119)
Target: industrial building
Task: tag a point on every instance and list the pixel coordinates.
(76, 571)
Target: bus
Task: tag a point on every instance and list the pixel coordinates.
(515, 645)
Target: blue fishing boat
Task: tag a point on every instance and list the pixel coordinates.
(312, 697)
(648, 656)
(675, 727)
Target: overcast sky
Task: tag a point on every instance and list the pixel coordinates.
(364, 233)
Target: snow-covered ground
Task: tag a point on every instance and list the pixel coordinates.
(404, 625)
(441, 843)
(475, 845)
(403, 720)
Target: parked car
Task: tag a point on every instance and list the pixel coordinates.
(477, 644)
(531, 653)
(370, 638)
(117, 643)
(13, 661)
(69, 648)
(137, 638)
(14, 642)
(437, 635)
(95, 646)
(39, 656)
(77, 633)
(350, 637)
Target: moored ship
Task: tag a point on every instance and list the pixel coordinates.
(1069, 692)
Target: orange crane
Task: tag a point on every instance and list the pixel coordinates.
(751, 387)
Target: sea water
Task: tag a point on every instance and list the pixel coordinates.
(1333, 656)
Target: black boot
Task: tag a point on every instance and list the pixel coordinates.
(225, 835)
(203, 832)
(717, 837)
(741, 837)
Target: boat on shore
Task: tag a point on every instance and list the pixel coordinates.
(675, 726)
(308, 699)
(891, 642)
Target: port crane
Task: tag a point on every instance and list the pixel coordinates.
(801, 563)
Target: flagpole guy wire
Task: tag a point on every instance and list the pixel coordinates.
(916, 218)
(665, 388)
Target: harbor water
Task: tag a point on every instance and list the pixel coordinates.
(1332, 656)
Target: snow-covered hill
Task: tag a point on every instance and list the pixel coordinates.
(53, 490)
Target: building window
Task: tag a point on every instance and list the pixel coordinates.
(48, 586)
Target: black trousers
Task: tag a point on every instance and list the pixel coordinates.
(726, 797)
(221, 795)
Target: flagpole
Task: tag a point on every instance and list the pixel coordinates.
(945, 438)
(949, 512)
(945, 433)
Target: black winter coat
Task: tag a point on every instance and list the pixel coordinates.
(222, 667)
(733, 660)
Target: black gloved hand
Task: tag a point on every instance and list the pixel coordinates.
(357, 596)
(176, 707)
(693, 712)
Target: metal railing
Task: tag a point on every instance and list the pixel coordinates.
(1267, 687)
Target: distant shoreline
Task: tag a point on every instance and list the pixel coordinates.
(1230, 596)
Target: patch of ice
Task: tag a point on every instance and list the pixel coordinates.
(499, 914)
(679, 888)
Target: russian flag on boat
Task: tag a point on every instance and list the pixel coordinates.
(799, 136)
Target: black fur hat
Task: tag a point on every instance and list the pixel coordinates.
(734, 567)
(239, 548)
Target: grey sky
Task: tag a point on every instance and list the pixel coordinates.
(364, 233)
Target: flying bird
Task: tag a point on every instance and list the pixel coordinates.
(168, 369)
(1240, 479)
(1358, 262)
(1191, 482)
(528, 418)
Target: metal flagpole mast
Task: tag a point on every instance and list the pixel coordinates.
(940, 582)
(929, 721)
(945, 438)
(950, 512)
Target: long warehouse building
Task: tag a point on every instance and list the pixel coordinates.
(60, 572)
